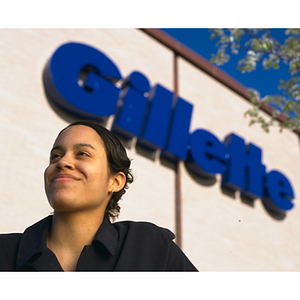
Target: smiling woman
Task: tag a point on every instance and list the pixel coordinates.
(88, 173)
(78, 176)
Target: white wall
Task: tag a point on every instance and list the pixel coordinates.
(29, 125)
(222, 233)
(219, 232)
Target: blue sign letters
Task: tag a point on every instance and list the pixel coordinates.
(207, 155)
(81, 80)
(245, 171)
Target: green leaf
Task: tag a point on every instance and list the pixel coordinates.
(260, 47)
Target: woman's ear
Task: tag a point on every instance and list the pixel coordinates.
(118, 182)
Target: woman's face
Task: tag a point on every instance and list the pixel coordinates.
(78, 176)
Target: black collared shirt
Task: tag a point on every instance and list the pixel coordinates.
(120, 246)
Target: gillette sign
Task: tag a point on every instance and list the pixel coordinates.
(85, 83)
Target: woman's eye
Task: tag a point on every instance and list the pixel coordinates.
(55, 157)
(83, 154)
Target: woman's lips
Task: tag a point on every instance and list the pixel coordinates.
(64, 178)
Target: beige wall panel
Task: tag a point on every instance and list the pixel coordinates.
(222, 233)
(151, 197)
(29, 125)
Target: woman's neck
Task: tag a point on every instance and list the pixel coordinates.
(69, 233)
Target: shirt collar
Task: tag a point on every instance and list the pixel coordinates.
(107, 235)
(34, 239)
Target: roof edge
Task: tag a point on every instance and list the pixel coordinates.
(202, 63)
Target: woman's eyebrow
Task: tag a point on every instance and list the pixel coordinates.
(56, 148)
(76, 146)
(83, 145)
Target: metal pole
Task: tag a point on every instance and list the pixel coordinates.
(178, 208)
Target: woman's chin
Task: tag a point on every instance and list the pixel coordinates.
(63, 204)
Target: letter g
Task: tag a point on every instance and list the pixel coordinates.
(80, 80)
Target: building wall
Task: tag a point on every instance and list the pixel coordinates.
(219, 232)
(231, 234)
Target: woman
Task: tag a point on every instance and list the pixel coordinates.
(88, 173)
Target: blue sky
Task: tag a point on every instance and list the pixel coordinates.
(265, 81)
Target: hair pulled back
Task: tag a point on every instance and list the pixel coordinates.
(118, 161)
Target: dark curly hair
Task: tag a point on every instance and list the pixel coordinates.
(118, 161)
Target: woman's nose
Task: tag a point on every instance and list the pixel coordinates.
(65, 162)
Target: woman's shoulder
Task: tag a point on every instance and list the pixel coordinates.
(11, 241)
(155, 242)
(9, 244)
(143, 228)
(10, 237)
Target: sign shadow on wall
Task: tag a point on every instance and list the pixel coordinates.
(210, 181)
(149, 119)
(154, 155)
